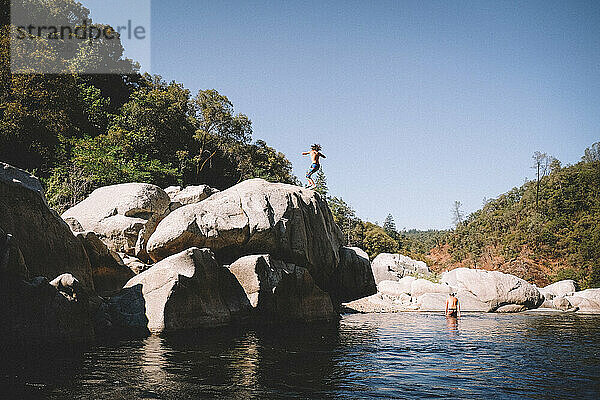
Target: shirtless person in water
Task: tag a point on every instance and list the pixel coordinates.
(315, 154)
(452, 306)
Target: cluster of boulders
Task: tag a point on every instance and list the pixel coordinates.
(564, 296)
(477, 290)
(134, 258)
(407, 285)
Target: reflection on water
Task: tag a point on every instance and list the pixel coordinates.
(406, 355)
(452, 324)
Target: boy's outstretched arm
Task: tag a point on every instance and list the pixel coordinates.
(322, 155)
(305, 153)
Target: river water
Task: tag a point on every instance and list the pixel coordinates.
(383, 356)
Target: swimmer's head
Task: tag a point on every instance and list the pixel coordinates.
(316, 147)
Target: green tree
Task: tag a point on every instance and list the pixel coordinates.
(389, 226)
(542, 164)
(321, 183)
(258, 160)
(345, 218)
(457, 213)
(376, 241)
(216, 129)
(592, 153)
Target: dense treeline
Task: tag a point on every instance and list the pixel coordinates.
(375, 239)
(546, 230)
(78, 132)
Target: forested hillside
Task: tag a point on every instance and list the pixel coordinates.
(78, 132)
(541, 232)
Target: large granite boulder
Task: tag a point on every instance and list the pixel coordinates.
(585, 301)
(559, 289)
(393, 267)
(355, 275)
(123, 216)
(281, 292)
(37, 311)
(45, 242)
(182, 291)
(109, 273)
(494, 288)
(257, 217)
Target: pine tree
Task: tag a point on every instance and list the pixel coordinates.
(389, 226)
(321, 183)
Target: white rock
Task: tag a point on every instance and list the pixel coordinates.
(182, 292)
(396, 288)
(421, 286)
(355, 278)
(123, 215)
(587, 301)
(40, 238)
(193, 194)
(257, 217)
(393, 267)
(494, 288)
(559, 289)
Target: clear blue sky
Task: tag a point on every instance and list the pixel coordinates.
(416, 103)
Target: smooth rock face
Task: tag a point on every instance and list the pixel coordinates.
(511, 308)
(180, 292)
(421, 286)
(281, 292)
(436, 301)
(257, 217)
(133, 263)
(396, 288)
(355, 275)
(108, 270)
(123, 216)
(12, 262)
(393, 267)
(46, 243)
(36, 311)
(558, 289)
(432, 302)
(586, 301)
(494, 288)
(190, 194)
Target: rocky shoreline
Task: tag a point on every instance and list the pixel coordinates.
(405, 285)
(133, 259)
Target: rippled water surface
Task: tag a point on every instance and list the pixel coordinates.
(406, 355)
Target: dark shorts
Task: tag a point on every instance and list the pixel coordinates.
(313, 168)
(452, 313)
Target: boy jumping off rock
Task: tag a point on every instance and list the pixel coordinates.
(315, 154)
